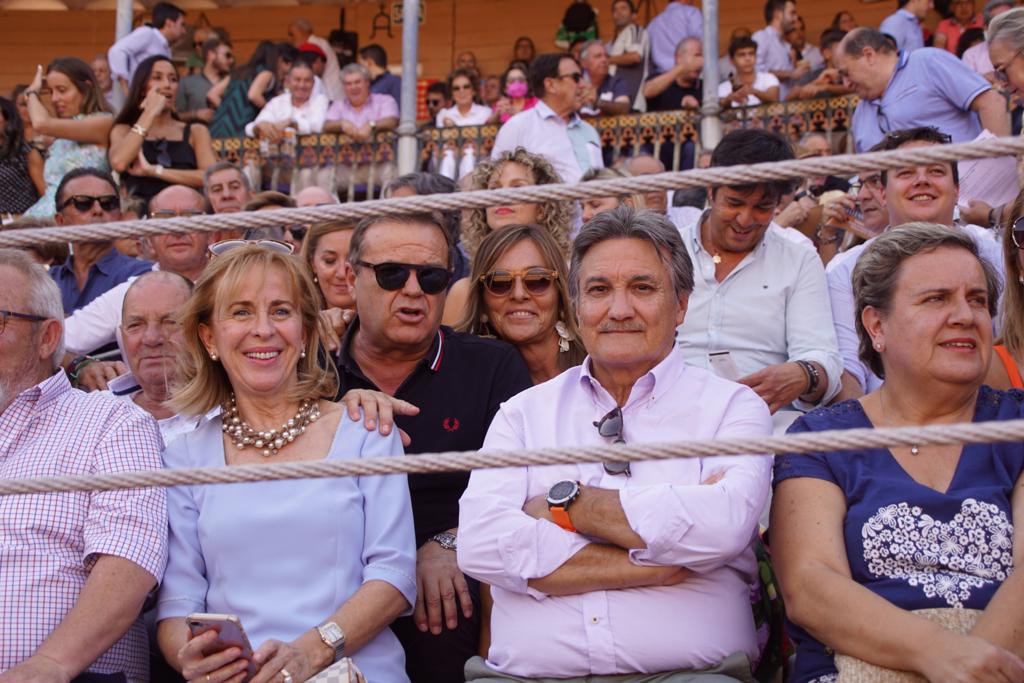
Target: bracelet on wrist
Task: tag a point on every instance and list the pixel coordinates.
(813, 377)
(77, 365)
(140, 131)
(29, 93)
(825, 240)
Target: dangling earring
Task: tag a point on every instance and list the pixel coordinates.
(563, 336)
(485, 329)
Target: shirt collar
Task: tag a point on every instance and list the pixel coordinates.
(547, 112)
(106, 263)
(901, 61)
(652, 385)
(431, 360)
(906, 14)
(46, 392)
(124, 385)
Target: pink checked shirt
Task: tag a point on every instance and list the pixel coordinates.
(49, 542)
(706, 528)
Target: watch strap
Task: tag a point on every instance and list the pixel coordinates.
(561, 517)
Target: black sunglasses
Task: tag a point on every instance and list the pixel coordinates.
(535, 280)
(84, 202)
(1017, 233)
(392, 276)
(610, 427)
(576, 76)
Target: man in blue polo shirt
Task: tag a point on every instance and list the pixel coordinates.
(927, 87)
(84, 196)
(904, 25)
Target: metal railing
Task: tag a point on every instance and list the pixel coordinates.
(358, 170)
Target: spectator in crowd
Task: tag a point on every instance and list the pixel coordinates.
(227, 189)
(803, 51)
(418, 184)
(826, 80)
(382, 81)
(925, 193)
(520, 296)
(84, 196)
(296, 108)
(79, 130)
(105, 80)
(463, 85)
(192, 103)
(900, 90)
(490, 90)
(195, 61)
(152, 336)
(843, 21)
(149, 146)
(645, 164)
(1005, 370)
(904, 25)
(592, 206)
(589, 544)
(517, 96)
(325, 249)
(679, 87)
(968, 39)
(552, 128)
(726, 69)
(76, 580)
(524, 50)
(925, 527)
(774, 55)
(518, 168)
(467, 60)
(316, 58)
(861, 215)
(99, 322)
(436, 99)
(629, 50)
(948, 32)
(45, 254)
(677, 22)
(602, 93)
(748, 86)
(237, 99)
(21, 166)
(148, 40)
(20, 99)
(363, 113)
(399, 267)
(301, 31)
(977, 57)
(256, 302)
(776, 336)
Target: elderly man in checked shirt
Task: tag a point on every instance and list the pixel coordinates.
(638, 572)
(75, 568)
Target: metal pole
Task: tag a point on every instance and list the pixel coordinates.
(124, 19)
(407, 146)
(710, 123)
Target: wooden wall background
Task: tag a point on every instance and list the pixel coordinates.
(487, 27)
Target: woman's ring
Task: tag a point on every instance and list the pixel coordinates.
(287, 676)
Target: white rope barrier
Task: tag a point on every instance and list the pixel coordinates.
(835, 440)
(846, 164)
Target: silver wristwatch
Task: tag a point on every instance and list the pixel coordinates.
(446, 540)
(333, 637)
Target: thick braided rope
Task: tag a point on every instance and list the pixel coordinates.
(836, 440)
(846, 164)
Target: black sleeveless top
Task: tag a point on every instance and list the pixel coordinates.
(17, 193)
(176, 154)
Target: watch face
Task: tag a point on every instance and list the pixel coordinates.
(561, 492)
(333, 633)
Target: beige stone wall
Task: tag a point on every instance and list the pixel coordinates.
(487, 27)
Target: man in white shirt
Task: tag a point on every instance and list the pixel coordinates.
(916, 193)
(759, 312)
(639, 571)
(167, 28)
(301, 31)
(98, 323)
(297, 108)
(552, 129)
(629, 51)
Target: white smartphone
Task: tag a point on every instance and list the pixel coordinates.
(229, 634)
(723, 365)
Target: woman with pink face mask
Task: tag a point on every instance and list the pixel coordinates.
(517, 96)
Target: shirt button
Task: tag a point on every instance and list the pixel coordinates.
(594, 620)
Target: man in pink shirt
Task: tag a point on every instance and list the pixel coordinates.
(599, 570)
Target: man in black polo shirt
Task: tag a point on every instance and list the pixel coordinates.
(400, 268)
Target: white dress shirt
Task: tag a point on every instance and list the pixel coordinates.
(706, 528)
(125, 55)
(309, 118)
(541, 131)
(840, 292)
(125, 387)
(772, 308)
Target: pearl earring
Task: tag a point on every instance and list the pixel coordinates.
(303, 354)
(878, 346)
(213, 357)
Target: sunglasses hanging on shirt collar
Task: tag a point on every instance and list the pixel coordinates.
(610, 427)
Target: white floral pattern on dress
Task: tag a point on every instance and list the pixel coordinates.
(825, 678)
(944, 559)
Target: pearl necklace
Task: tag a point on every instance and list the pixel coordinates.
(269, 441)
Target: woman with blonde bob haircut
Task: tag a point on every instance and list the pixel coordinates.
(251, 334)
(520, 295)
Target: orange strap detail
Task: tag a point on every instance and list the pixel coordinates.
(561, 516)
(1012, 371)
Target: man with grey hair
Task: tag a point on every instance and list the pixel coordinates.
(602, 94)
(226, 187)
(636, 570)
(362, 113)
(73, 585)
(977, 57)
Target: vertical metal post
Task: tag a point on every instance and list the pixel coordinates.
(407, 147)
(710, 123)
(124, 19)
